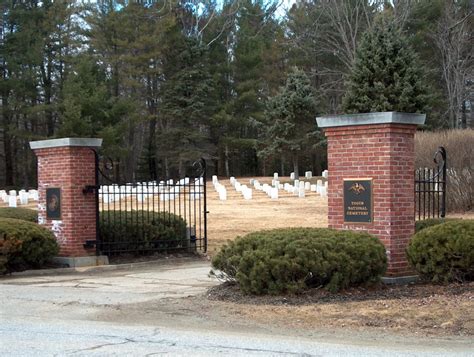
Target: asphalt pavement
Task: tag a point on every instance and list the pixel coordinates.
(61, 315)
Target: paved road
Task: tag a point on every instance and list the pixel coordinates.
(61, 338)
(62, 315)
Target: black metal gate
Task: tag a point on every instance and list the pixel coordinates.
(142, 218)
(430, 188)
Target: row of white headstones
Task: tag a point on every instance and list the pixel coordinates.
(165, 190)
(298, 188)
(12, 197)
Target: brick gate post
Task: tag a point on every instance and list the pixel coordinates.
(65, 167)
(377, 147)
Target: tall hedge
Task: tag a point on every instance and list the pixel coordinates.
(292, 260)
(137, 231)
(25, 214)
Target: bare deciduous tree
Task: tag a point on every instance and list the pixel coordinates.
(453, 38)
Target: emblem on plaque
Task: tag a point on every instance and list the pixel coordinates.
(357, 188)
(53, 203)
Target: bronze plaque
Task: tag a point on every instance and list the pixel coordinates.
(358, 200)
(53, 203)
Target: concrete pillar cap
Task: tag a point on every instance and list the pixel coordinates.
(62, 142)
(331, 121)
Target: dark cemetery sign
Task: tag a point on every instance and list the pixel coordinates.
(53, 203)
(358, 200)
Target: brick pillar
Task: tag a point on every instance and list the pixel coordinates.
(379, 146)
(68, 165)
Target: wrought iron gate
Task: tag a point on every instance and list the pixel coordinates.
(430, 188)
(141, 218)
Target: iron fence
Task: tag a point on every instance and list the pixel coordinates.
(141, 218)
(430, 188)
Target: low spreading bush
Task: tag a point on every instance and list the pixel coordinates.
(126, 231)
(425, 223)
(24, 245)
(24, 214)
(292, 260)
(444, 252)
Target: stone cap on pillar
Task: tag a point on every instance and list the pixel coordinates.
(331, 121)
(54, 143)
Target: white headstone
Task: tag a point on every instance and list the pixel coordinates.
(308, 174)
(307, 185)
(24, 197)
(325, 174)
(12, 193)
(247, 194)
(313, 188)
(275, 175)
(11, 201)
(323, 191)
(292, 176)
(301, 192)
(223, 194)
(274, 193)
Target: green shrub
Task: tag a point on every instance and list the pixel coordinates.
(24, 214)
(294, 259)
(125, 231)
(444, 252)
(24, 245)
(425, 223)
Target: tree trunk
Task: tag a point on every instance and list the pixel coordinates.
(181, 168)
(167, 168)
(152, 150)
(282, 166)
(295, 166)
(226, 161)
(8, 158)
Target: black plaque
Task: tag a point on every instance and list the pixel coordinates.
(53, 203)
(358, 200)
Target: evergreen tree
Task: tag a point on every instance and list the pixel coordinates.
(186, 102)
(291, 116)
(386, 75)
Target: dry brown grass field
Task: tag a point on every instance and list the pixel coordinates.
(237, 216)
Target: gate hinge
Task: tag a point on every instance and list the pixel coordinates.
(89, 189)
(89, 244)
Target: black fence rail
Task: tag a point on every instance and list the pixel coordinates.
(430, 189)
(142, 218)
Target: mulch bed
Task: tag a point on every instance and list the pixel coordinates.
(230, 292)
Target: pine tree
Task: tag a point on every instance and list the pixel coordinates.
(186, 102)
(291, 116)
(386, 75)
